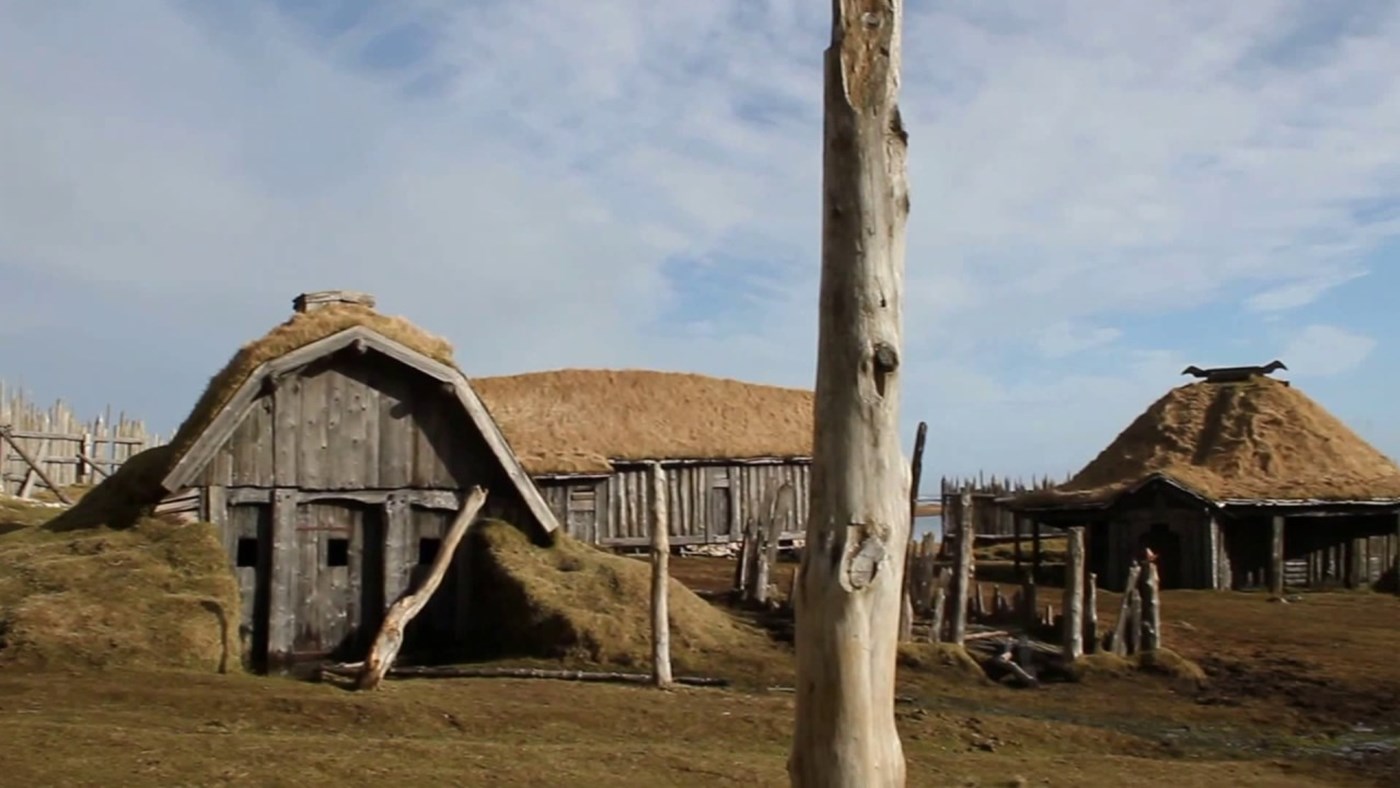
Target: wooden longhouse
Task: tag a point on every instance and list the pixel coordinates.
(1235, 482)
(332, 455)
(587, 438)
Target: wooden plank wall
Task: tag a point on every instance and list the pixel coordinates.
(706, 504)
(354, 423)
(55, 436)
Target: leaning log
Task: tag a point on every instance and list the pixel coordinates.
(390, 639)
(464, 672)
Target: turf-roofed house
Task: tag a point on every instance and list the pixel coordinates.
(333, 454)
(1236, 481)
(587, 438)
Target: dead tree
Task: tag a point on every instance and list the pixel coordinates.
(848, 597)
(390, 638)
(660, 580)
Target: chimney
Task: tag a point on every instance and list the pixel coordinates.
(309, 302)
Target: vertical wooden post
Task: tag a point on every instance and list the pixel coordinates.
(1091, 614)
(1016, 523)
(848, 595)
(1396, 540)
(916, 470)
(1035, 551)
(1121, 628)
(660, 580)
(1134, 621)
(1276, 556)
(1074, 594)
(940, 608)
(960, 583)
(1152, 608)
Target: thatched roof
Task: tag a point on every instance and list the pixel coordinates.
(564, 421)
(1260, 440)
(577, 421)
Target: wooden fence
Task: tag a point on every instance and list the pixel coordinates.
(992, 521)
(68, 449)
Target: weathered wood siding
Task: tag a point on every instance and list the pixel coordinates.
(1319, 552)
(706, 504)
(355, 423)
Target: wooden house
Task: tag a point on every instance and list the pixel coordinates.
(588, 436)
(332, 454)
(1234, 483)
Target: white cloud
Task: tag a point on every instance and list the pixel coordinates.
(1065, 339)
(1323, 351)
(519, 187)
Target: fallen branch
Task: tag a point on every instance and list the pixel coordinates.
(984, 635)
(1004, 659)
(354, 669)
(390, 638)
(82, 455)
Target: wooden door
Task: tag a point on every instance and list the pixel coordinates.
(338, 585)
(249, 529)
(438, 627)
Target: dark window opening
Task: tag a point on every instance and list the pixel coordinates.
(428, 549)
(338, 552)
(247, 552)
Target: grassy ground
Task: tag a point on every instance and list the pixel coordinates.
(1288, 685)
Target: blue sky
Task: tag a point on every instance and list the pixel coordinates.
(1102, 194)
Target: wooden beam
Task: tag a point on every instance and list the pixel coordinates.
(1276, 554)
(1074, 596)
(916, 467)
(852, 568)
(33, 466)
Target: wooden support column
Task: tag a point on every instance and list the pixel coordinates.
(1276, 555)
(1395, 539)
(916, 468)
(1091, 614)
(660, 577)
(1074, 595)
(282, 605)
(1212, 563)
(1035, 551)
(1016, 524)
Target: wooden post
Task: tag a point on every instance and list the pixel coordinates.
(1276, 556)
(741, 567)
(940, 607)
(1397, 553)
(1074, 595)
(1120, 629)
(1135, 621)
(390, 638)
(916, 469)
(1016, 525)
(1028, 601)
(1152, 608)
(1035, 551)
(848, 595)
(660, 577)
(1091, 614)
(84, 474)
(4, 460)
(960, 582)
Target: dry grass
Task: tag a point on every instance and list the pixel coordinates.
(1254, 440)
(151, 594)
(572, 601)
(298, 331)
(575, 421)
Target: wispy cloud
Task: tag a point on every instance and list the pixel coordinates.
(629, 183)
(1324, 351)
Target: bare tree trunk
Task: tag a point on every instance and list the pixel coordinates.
(390, 639)
(916, 470)
(960, 583)
(660, 580)
(848, 597)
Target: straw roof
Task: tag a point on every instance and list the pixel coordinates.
(577, 420)
(564, 421)
(1259, 440)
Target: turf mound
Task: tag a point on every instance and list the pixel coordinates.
(569, 600)
(154, 593)
(940, 656)
(1244, 441)
(121, 500)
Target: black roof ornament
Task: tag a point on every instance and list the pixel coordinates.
(1233, 374)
